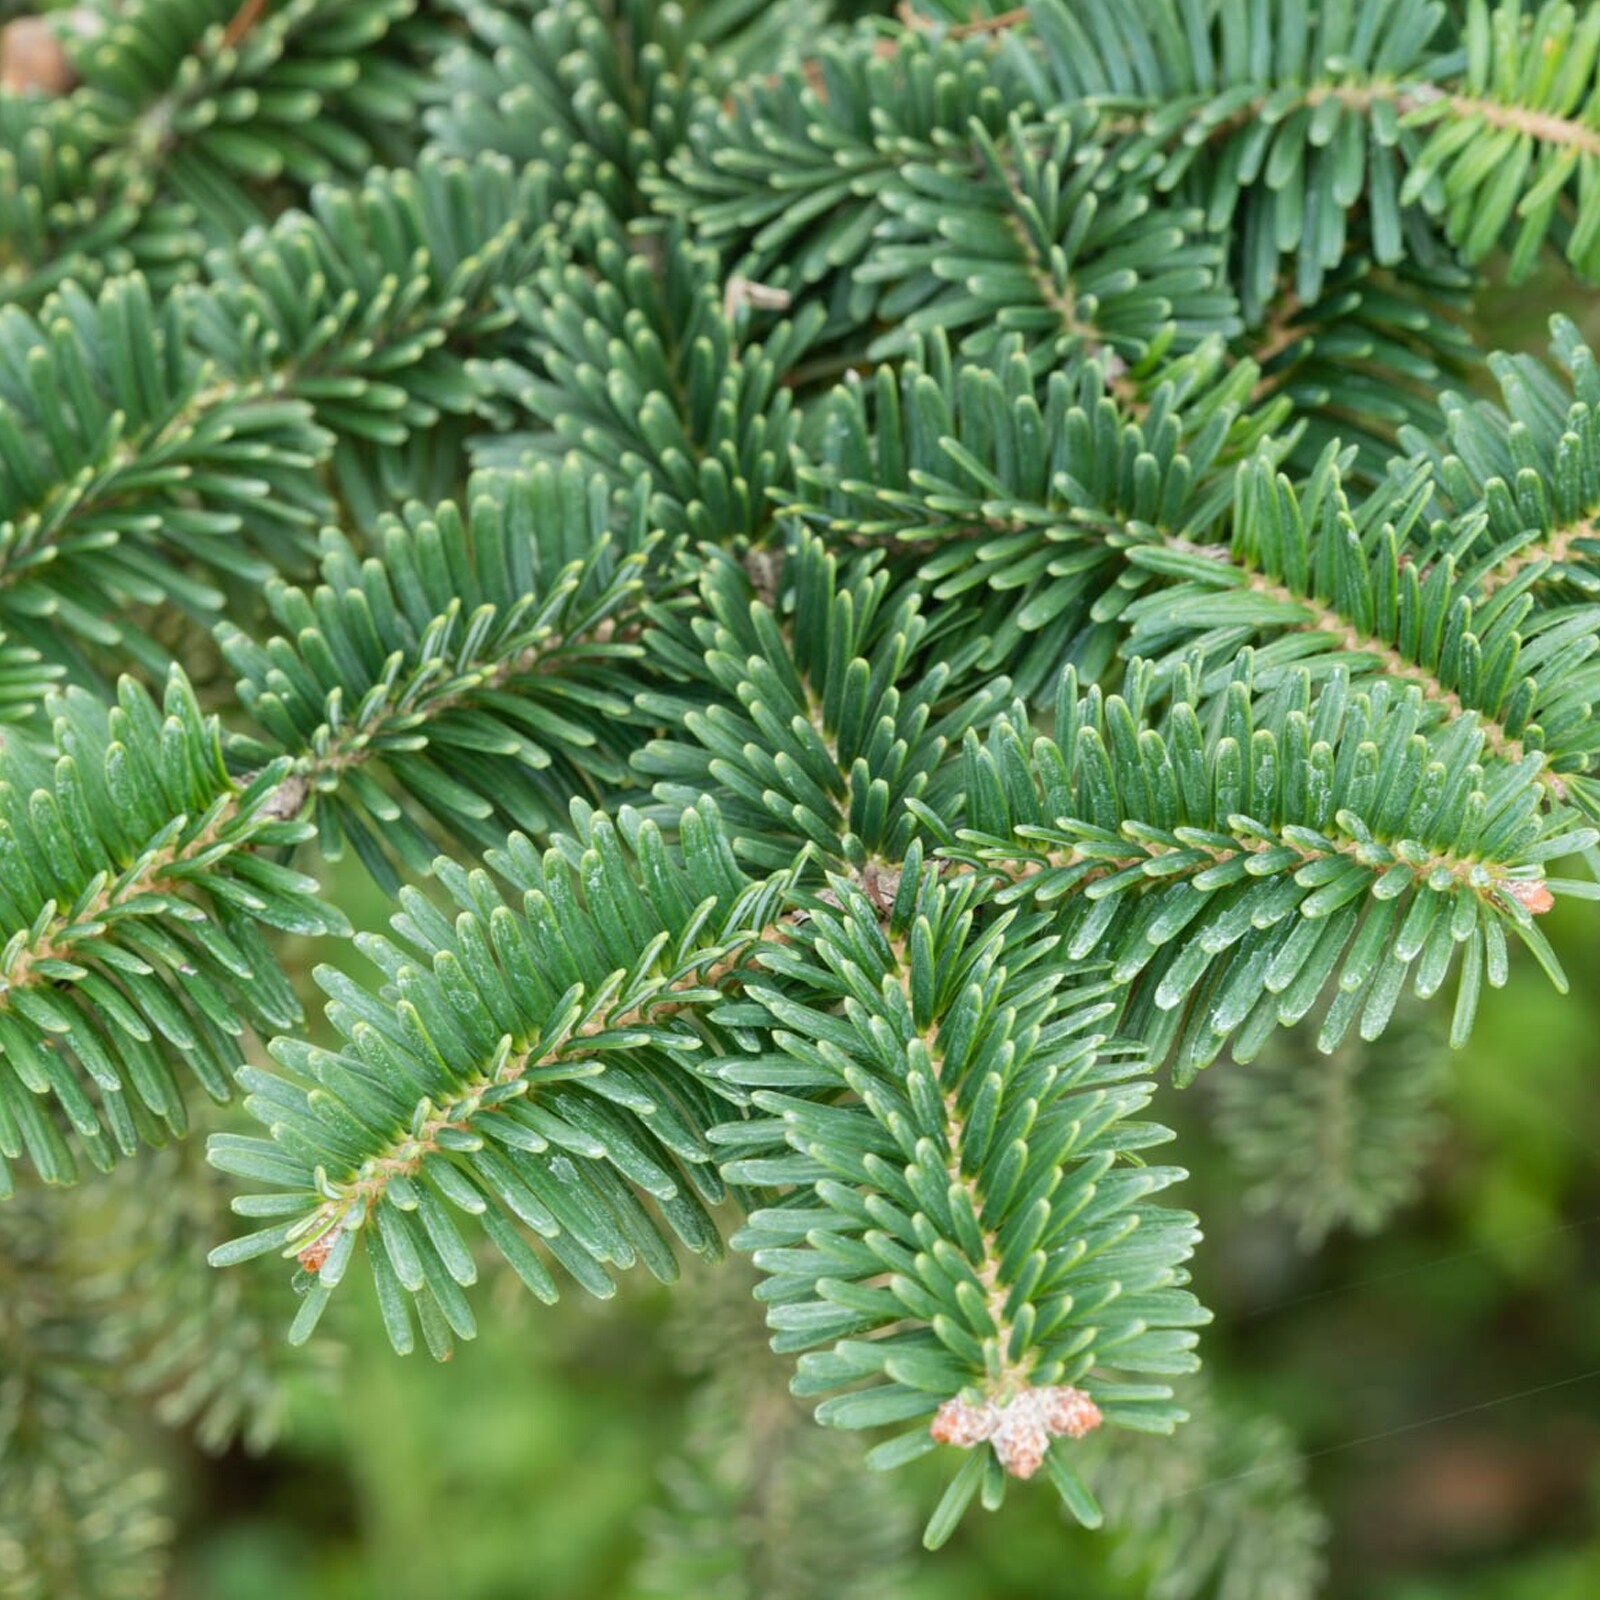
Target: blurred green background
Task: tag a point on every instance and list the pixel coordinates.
(1442, 1381)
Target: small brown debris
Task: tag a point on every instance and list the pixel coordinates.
(1532, 894)
(882, 886)
(764, 568)
(288, 799)
(33, 58)
(314, 1254)
(742, 292)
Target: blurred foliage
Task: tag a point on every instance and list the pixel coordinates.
(1337, 1141)
(1220, 1510)
(759, 1503)
(79, 1515)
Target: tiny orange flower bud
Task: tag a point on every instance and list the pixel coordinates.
(1069, 1412)
(1533, 894)
(1022, 1439)
(315, 1253)
(33, 58)
(1021, 1427)
(961, 1423)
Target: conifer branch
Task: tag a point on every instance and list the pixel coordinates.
(950, 463)
(1288, 127)
(1345, 1146)
(800, 726)
(1529, 469)
(1170, 854)
(473, 670)
(602, 90)
(132, 899)
(181, 119)
(1150, 564)
(636, 360)
(759, 1503)
(138, 444)
(1222, 1508)
(953, 1054)
(533, 1067)
(79, 1513)
(886, 918)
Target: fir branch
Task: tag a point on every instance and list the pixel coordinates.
(79, 1514)
(1316, 579)
(371, 304)
(1021, 240)
(137, 443)
(758, 1503)
(1116, 542)
(788, 180)
(478, 660)
(124, 457)
(1296, 849)
(1220, 1510)
(602, 91)
(1021, 505)
(1529, 468)
(805, 724)
(968, 211)
(532, 1066)
(1129, 297)
(966, 1216)
(132, 893)
(184, 119)
(1287, 120)
(1364, 362)
(643, 364)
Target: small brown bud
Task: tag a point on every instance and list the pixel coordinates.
(1069, 1412)
(1021, 1427)
(961, 1423)
(1532, 894)
(1022, 1439)
(316, 1252)
(33, 58)
(288, 799)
